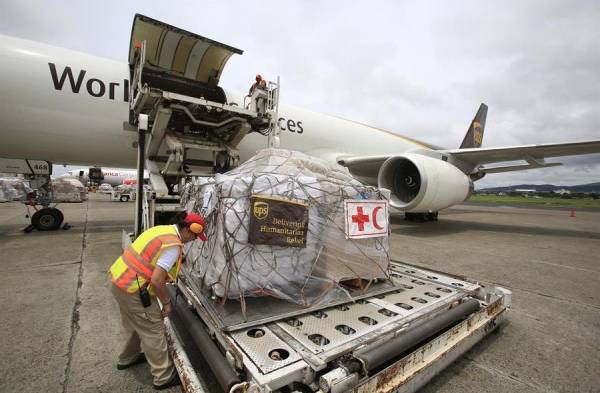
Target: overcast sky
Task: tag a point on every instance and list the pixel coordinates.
(418, 68)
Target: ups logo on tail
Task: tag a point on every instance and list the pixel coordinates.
(477, 133)
(260, 210)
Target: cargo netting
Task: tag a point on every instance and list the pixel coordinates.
(228, 266)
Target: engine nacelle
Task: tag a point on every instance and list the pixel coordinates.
(420, 183)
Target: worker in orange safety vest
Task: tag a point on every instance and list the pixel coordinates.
(140, 275)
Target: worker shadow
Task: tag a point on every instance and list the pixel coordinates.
(141, 373)
(8, 232)
(444, 227)
(74, 227)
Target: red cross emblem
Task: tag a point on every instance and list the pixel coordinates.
(365, 218)
(360, 218)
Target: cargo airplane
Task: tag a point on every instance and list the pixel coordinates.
(64, 106)
(112, 176)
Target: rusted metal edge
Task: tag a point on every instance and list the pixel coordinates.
(189, 380)
(416, 369)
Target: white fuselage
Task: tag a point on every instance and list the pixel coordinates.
(112, 176)
(69, 107)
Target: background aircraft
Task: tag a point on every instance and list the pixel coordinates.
(112, 176)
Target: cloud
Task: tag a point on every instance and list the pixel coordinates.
(417, 68)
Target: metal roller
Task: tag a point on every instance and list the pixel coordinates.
(372, 357)
(224, 373)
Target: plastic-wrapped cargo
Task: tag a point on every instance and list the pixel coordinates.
(64, 189)
(316, 270)
(67, 189)
(5, 191)
(13, 189)
(105, 188)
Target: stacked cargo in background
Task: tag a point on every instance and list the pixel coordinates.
(13, 189)
(67, 189)
(228, 266)
(64, 189)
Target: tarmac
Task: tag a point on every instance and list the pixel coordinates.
(60, 326)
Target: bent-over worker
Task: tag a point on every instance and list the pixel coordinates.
(140, 275)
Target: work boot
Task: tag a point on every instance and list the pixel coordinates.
(141, 358)
(174, 381)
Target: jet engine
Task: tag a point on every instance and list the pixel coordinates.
(420, 183)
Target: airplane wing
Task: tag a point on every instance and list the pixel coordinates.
(499, 154)
(366, 167)
(534, 155)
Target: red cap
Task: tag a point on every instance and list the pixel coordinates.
(258, 77)
(197, 225)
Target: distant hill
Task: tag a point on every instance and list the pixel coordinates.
(583, 188)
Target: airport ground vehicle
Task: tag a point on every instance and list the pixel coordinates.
(105, 188)
(122, 195)
(126, 193)
(395, 337)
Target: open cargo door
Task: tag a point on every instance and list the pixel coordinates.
(175, 97)
(179, 61)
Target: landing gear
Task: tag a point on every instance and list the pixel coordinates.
(47, 219)
(421, 217)
(39, 192)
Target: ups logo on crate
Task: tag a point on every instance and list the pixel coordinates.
(261, 210)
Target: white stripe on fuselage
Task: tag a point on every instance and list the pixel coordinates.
(69, 107)
(112, 176)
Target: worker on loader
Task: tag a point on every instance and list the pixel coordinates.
(259, 84)
(139, 275)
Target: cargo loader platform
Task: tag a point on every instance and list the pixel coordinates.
(392, 339)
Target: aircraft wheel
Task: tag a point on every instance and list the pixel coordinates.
(415, 217)
(427, 217)
(421, 217)
(124, 198)
(47, 219)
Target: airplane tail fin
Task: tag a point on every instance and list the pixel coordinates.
(474, 135)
